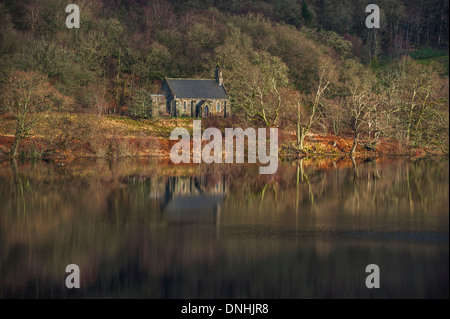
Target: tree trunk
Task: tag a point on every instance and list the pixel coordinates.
(355, 144)
(408, 131)
(300, 137)
(299, 128)
(118, 79)
(14, 147)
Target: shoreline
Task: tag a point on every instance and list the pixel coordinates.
(88, 136)
(162, 151)
(166, 158)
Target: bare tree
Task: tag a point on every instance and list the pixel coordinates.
(360, 100)
(256, 80)
(422, 98)
(313, 104)
(25, 95)
(358, 107)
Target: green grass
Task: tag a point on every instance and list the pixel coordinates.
(444, 60)
(127, 121)
(161, 127)
(426, 53)
(423, 56)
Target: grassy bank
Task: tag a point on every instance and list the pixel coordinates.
(60, 136)
(65, 137)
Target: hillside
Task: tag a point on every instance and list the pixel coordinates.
(307, 67)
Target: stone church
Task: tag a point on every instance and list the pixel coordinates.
(197, 98)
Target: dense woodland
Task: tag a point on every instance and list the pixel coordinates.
(301, 65)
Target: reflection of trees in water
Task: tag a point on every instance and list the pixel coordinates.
(18, 190)
(303, 184)
(109, 218)
(347, 187)
(301, 176)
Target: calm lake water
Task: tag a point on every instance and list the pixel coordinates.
(147, 229)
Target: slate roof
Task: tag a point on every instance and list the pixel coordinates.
(197, 89)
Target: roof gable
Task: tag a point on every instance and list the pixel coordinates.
(197, 89)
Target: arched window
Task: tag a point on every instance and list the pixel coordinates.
(184, 105)
(218, 107)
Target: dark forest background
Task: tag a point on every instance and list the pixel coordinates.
(308, 65)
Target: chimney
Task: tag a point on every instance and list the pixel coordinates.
(219, 77)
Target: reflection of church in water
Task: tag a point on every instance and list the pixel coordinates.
(190, 199)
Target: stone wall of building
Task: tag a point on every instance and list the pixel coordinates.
(201, 108)
(159, 105)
